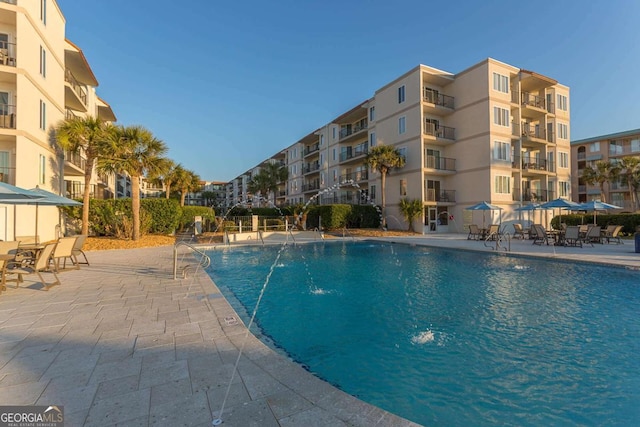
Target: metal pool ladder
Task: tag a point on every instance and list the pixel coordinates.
(204, 261)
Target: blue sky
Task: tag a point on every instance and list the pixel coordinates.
(228, 84)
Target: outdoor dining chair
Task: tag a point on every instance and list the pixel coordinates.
(77, 250)
(41, 264)
(64, 250)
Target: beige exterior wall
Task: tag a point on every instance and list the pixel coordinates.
(34, 102)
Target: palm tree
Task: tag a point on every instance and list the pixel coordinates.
(186, 182)
(630, 173)
(266, 181)
(383, 158)
(600, 173)
(88, 135)
(163, 175)
(134, 151)
(410, 210)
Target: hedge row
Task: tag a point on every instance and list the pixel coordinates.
(332, 217)
(630, 222)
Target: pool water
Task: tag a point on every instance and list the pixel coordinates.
(445, 337)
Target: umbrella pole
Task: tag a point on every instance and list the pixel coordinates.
(37, 239)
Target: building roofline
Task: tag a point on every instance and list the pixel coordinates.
(84, 58)
(607, 136)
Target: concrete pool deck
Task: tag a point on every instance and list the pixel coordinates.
(122, 343)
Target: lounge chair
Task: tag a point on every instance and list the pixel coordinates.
(572, 236)
(77, 250)
(518, 231)
(474, 232)
(493, 232)
(541, 235)
(64, 250)
(41, 264)
(593, 235)
(613, 233)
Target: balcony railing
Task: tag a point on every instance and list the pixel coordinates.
(532, 195)
(77, 87)
(311, 186)
(311, 149)
(438, 98)
(434, 195)
(7, 116)
(7, 53)
(69, 114)
(355, 176)
(345, 132)
(440, 163)
(8, 175)
(310, 167)
(357, 151)
(75, 159)
(531, 100)
(440, 131)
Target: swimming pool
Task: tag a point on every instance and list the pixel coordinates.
(445, 337)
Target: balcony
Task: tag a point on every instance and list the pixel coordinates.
(534, 195)
(311, 186)
(312, 149)
(440, 132)
(8, 175)
(7, 116)
(347, 132)
(357, 176)
(310, 167)
(69, 114)
(532, 103)
(7, 54)
(533, 165)
(442, 104)
(354, 152)
(440, 163)
(74, 163)
(75, 94)
(446, 196)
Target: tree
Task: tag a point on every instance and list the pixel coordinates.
(186, 182)
(163, 177)
(600, 173)
(630, 173)
(133, 150)
(410, 209)
(88, 135)
(267, 179)
(383, 158)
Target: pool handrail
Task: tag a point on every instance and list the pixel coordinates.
(203, 262)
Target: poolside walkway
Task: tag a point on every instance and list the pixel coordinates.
(121, 343)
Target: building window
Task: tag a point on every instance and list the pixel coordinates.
(321, 140)
(403, 187)
(372, 192)
(564, 188)
(321, 159)
(334, 130)
(563, 131)
(43, 62)
(594, 147)
(562, 102)
(635, 145)
(401, 94)
(335, 175)
(334, 154)
(372, 139)
(322, 178)
(372, 114)
(502, 184)
(402, 125)
(42, 169)
(500, 83)
(563, 158)
(403, 153)
(501, 116)
(615, 148)
(43, 115)
(43, 11)
(501, 150)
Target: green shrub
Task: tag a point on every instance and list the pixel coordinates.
(164, 214)
(190, 212)
(628, 221)
(274, 224)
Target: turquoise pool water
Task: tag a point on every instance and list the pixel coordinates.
(446, 337)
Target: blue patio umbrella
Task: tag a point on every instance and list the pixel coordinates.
(595, 206)
(9, 194)
(560, 204)
(531, 207)
(484, 206)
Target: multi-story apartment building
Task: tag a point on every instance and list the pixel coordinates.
(492, 132)
(610, 148)
(44, 79)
